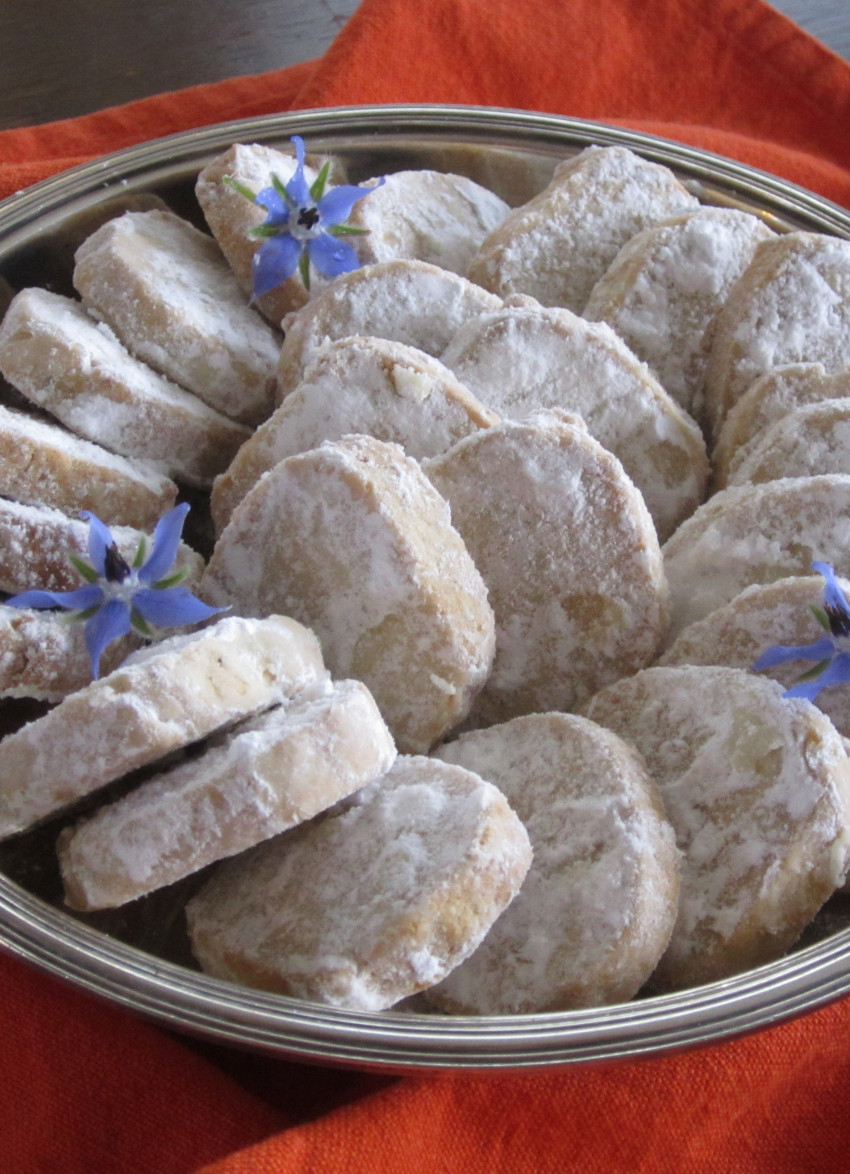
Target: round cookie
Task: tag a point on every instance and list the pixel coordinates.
(424, 215)
(597, 907)
(569, 554)
(523, 356)
(791, 305)
(231, 216)
(412, 302)
(73, 367)
(365, 385)
(170, 296)
(372, 903)
(757, 788)
(258, 779)
(41, 464)
(162, 698)
(353, 540)
(809, 441)
(754, 534)
(761, 616)
(558, 245)
(665, 288)
(766, 401)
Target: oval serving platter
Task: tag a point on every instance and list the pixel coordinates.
(139, 957)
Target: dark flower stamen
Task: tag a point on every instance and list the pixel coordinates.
(308, 217)
(115, 567)
(839, 620)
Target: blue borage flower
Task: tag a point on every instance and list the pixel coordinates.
(117, 596)
(832, 651)
(302, 227)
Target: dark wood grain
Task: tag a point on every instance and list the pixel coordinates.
(57, 61)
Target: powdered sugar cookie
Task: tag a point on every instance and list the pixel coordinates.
(791, 305)
(406, 301)
(423, 215)
(36, 541)
(63, 361)
(558, 245)
(41, 464)
(170, 296)
(372, 903)
(353, 540)
(231, 216)
(808, 441)
(46, 660)
(357, 385)
(755, 534)
(597, 907)
(264, 776)
(522, 357)
(761, 616)
(163, 697)
(570, 557)
(771, 397)
(758, 790)
(665, 287)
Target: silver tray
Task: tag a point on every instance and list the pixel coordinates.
(138, 957)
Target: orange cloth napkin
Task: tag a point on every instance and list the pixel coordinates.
(89, 1089)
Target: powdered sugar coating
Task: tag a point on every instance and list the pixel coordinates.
(357, 385)
(811, 440)
(173, 694)
(372, 903)
(353, 540)
(664, 289)
(597, 907)
(265, 775)
(411, 302)
(791, 305)
(762, 615)
(65, 362)
(523, 356)
(570, 557)
(755, 534)
(758, 790)
(558, 245)
(424, 215)
(36, 541)
(170, 296)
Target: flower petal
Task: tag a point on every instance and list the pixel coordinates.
(274, 262)
(332, 256)
(111, 621)
(172, 607)
(335, 206)
(836, 673)
(100, 540)
(275, 205)
(823, 649)
(80, 599)
(298, 188)
(833, 596)
(166, 540)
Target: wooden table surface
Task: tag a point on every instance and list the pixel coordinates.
(104, 52)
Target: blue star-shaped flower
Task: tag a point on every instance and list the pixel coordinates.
(832, 651)
(302, 228)
(116, 596)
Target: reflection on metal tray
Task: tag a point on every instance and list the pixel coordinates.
(139, 956)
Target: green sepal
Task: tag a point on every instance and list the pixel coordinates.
(89, 573)
(813, 672)
(239, 187)
(172, 580)
(263, 231)
(821, 617)
(347, 230)
(74, 617)
(141, 552)
(140, 625)
(280, 187)
(304, 269)
(317, 188)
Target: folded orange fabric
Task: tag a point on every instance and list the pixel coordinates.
(90, 1089)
